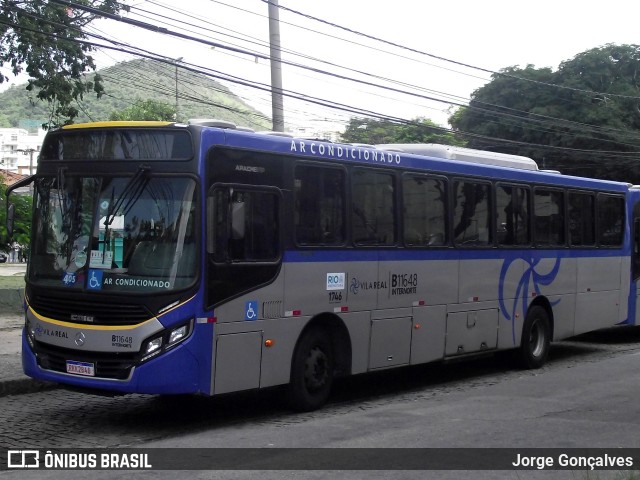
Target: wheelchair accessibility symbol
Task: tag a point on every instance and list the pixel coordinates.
(94, 282)
(251, 310)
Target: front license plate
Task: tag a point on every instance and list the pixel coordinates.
(81, 368)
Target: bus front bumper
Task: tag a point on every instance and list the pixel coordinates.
(176, 371)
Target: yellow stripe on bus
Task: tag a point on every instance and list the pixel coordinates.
(131, 123)
(87, 326)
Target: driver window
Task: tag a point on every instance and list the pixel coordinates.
(243, 226)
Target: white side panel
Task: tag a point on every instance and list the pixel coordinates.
(554, 276)
(479, 280)
(599, 274)
(434, 282)
(359, 327)
(429, 327)
(510, 330)
(236, 350)
(276, 359)
(308, 289)
(564, 310)
(470, 332)
(599, 293)
(625, 288)
(390, 342)
(237, 364)
(596, 310)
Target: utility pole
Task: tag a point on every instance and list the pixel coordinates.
(276, 67)
(30, 151)
(176, 61)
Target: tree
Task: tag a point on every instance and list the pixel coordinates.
(4, 121)
(419, 130)
(45, 38)
(589, 109)
(146, 110)
(205, 98)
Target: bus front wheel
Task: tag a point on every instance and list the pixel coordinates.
(536, 338)
(311, 371)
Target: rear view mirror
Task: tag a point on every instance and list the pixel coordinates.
(10, 214)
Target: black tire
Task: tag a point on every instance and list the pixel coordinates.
(311, 371)
(536, 338)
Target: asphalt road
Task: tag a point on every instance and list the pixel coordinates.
(585, 397)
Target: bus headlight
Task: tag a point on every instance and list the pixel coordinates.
(31, 333)
(153, 345)
(178, 334)
(165, 340)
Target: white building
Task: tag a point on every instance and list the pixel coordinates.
(19, 150)
(315, 133)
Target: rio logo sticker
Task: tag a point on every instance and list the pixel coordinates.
(335, 281)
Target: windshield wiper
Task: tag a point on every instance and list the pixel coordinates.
(130, 194)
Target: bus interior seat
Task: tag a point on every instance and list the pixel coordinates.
(150, 258)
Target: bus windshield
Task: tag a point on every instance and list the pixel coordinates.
(125, 234)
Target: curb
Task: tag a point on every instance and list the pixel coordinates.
(20, 386)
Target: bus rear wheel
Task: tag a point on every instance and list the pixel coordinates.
(536, 338)
(311, 371)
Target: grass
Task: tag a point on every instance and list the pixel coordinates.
(14, 281)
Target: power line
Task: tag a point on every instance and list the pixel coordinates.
(335, 105)
(513, 113)
(455, 62)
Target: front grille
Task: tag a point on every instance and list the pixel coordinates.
(101, 313)
(115, 366)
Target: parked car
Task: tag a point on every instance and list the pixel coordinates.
(3, 257)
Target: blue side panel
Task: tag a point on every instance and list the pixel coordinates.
(363, 255)
(633, 300)
(203, 344)
(633, 199)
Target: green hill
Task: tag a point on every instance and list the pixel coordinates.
(125, 83)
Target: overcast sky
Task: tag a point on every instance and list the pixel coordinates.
(492, 34)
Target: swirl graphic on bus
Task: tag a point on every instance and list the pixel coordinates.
(355, 286)
(530, 282)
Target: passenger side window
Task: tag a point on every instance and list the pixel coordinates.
(582, 222)
(611, 218)
(472, 213)
(373, 209)
(425, 212)
(319, 205)
(549, 217)
(513, 205)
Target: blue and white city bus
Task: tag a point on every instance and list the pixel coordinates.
(201, 258)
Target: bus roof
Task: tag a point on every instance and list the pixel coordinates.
(450, 152)
(124, 123)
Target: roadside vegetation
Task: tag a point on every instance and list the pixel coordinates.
(11, 282)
